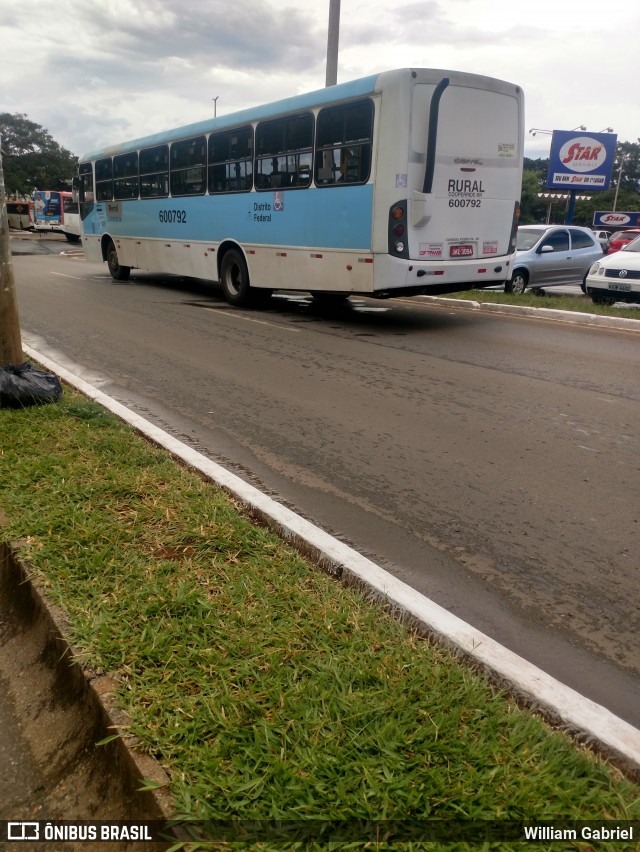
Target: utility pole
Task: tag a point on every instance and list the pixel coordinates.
(10, 340)
(332, 42)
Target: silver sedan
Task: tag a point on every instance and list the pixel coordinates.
(549, 255)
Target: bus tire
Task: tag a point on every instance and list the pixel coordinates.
(234, 278)
(118, 273)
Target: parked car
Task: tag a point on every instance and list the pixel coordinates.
(603, 238)
(622, 238)
(548, 255)
(616, 278)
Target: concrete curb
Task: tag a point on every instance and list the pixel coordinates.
(65, 710)
(589, 721)
(569, 317)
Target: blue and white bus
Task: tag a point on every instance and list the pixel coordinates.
(401, 183)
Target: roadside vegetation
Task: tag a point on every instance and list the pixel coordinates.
(266, 688)
(549, 299)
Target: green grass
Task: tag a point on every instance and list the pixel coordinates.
(549, 299)
(264, 687)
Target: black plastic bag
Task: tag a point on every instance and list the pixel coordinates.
(22, 385)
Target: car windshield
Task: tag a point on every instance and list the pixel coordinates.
(527, 239)
(634, 245)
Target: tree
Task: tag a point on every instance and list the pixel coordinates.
(532, 208)
(32, 158)
(626, 167)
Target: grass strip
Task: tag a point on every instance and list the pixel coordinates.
(264, 687)
(549, 299)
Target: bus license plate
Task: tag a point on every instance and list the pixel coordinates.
(461, 251)
(621, 288)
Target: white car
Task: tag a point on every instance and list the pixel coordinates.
(616, 277)
(549, 255)
(603, 238)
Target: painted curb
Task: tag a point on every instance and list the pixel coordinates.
(573, 711)
(569, 317)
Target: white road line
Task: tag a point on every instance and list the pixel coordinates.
(226, 313)
(63, 275)
(576, 712)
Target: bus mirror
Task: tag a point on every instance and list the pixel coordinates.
(75, 189)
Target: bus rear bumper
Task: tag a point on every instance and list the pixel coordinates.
(401, 277)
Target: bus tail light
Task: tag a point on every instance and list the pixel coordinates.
(514, 227)
(397, 229)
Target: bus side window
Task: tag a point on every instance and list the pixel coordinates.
(231, 160)
(343, 144)
(85, 173)
(284, 152)
(104, 179)
(86, 195)
(154, 172)
(187, 167)
(125, 176)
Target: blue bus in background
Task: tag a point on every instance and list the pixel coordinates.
(401, 183)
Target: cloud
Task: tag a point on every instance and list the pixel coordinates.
(93, 74)
(247, 34)
(154, 58)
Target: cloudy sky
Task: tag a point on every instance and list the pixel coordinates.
(99, 73)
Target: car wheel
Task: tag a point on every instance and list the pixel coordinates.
(118, 273)
(583, 286)
(518, 282)
(234, 277)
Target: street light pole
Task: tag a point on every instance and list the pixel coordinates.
(615, 198)
(332, 42)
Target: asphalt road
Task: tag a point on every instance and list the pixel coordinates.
(490, 461)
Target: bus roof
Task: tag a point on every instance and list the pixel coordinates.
(351, 89)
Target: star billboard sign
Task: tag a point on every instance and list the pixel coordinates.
(581, 160)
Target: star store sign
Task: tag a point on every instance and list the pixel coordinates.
(582, 161)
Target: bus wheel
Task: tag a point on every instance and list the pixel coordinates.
(234, 277)
(118, 273)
